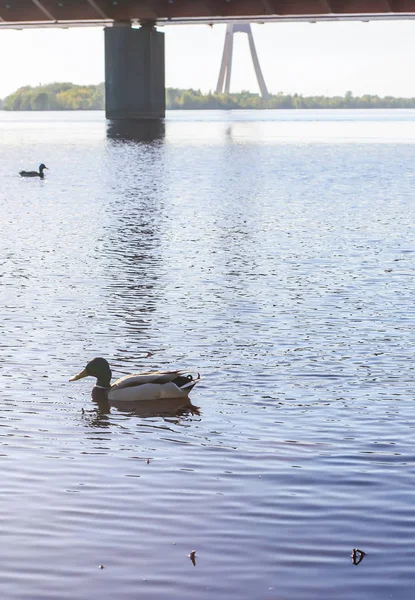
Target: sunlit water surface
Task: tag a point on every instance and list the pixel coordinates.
(274, 253)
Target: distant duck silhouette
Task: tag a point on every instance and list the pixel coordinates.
(39, 173)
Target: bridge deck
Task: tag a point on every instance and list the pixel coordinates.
(67, 13)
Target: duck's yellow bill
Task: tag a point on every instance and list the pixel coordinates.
(79, 376)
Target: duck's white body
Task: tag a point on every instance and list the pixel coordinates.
(156, 385)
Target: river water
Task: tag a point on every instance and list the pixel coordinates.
(274, 253)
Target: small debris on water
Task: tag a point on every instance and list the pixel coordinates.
(357, 556)
(101, 567)
(192, 557)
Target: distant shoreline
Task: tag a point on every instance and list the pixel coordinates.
(68, 96)
(190, 109)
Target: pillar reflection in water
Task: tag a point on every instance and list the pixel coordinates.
(132, 251)
(139, 131)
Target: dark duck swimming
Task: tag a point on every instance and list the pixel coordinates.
(39, 173)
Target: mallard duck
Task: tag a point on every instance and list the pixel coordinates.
(39, 173)
(154, 385)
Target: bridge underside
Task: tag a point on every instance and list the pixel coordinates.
(68, 13)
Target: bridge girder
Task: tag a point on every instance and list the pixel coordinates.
(38, 13)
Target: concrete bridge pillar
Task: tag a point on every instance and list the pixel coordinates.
(134, 72)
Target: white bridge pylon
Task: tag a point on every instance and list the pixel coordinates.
(226, 64)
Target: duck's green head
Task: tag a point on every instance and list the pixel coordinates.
(99, 368)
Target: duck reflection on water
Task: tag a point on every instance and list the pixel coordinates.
(178, 408)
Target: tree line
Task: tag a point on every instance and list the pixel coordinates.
(68, 96)
(56, 96)
(194, 99)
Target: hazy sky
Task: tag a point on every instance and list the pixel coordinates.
(321, 58)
